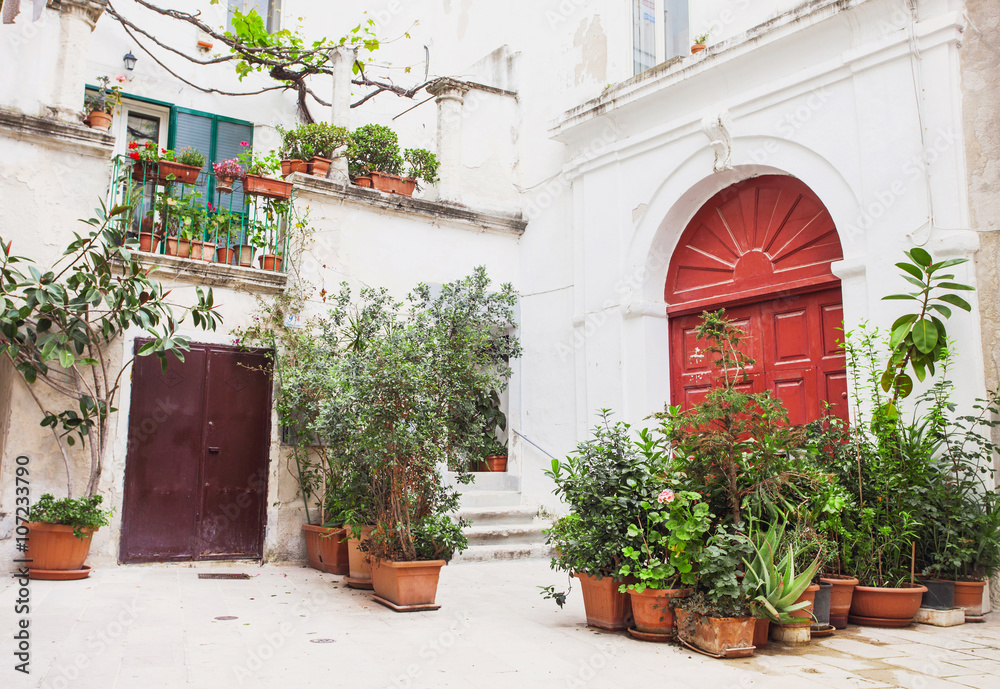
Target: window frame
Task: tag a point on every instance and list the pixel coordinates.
(211, 155)
(660, 27)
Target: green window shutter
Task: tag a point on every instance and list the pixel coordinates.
(196, 131)
(227, 145)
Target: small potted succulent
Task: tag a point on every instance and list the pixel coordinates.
(699, 43)
(101, 106)
(226, 173)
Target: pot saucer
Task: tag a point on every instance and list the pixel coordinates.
(60, 574)
(649, 636)
(817, 632)
(365, 584)
(886, 622)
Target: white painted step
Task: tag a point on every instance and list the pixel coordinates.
(506, 534)
(474, 499)
(490, 553)
(519, 514)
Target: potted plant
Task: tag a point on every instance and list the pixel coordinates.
(373, 153)
(59, 535)
(293, 153)
(699, 43)
(264, 234)
(257, 180)
(319, 144)
(226, 229)
(182, 166)
(603, 483)
(664, 542)
(226, 173)
(101, 106)
(145, 157)
(47, 304)
(778, 591)
(422, 165)
(494, 422)
(718, 618)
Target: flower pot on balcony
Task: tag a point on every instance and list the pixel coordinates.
(394, 184)
(722, 637)
(197, 250)
(651, 610)
(149, 242)
(269, 262)
(99, 119)
(54, 547)
(183, 174)
(605, 606)
(208, 251)
(178, 247)
(289, 166)
(144, 171)
(840, 597)
(225, 254)
(969, 595)
(407, 586)
(697, 48)
(319, 166)
(256, 185)
(224, 183)
(326, 548)
(359, 567)
(875, 606)
(365, 182)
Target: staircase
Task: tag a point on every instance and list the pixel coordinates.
(501, 527)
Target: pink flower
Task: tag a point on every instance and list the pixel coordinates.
(666, 497)
(244, 143)
(120, 79)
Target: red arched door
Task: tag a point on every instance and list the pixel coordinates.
(762, 250)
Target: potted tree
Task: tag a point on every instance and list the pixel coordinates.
(60, 532)
(50, 330)
(494, 422)
(373, 153)
(320, 142)
(293, 153)
(603, 483)
(101, 106)
(664, 542)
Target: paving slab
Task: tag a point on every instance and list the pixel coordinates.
(159, 627)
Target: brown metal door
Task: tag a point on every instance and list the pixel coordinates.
(196, 470)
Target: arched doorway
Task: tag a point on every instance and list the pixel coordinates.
(762, 249)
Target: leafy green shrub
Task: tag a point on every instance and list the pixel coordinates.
(81, 513)
(439, 537)
(423, 165)
(374, 148)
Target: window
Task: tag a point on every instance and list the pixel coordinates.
(269, 10)
(660, 31)
(217, 137)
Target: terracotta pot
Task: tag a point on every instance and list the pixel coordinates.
(326, 548)
(394, 184)
(651, 609)
(407, 583)
(605, 606)
(969, 595)
(761, 627)
(99, 120)
(724, 637)
(256, 185)
(224, 255)
(840, 597)
(269, 262)
(143, 171)
(149, 242)
(319, 166)
(940, 594)
(53, 546)
(244, 255)
(497, 463)
(197, 250)
(697, 48)
(183, 174)
(289, 166)
(365, 182)
(358, 565)
(223, 183)
(208, 251)
(875, 606)
(804, 617)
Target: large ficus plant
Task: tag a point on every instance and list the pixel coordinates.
(919, 338)
(58, 325)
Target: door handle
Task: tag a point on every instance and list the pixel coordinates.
(214, 450)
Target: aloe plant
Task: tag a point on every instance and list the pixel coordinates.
(776, 585)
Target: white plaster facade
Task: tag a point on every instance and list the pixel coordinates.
(850, 96)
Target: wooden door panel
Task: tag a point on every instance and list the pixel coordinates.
(797, 392)
(159, 514)
(235, 459)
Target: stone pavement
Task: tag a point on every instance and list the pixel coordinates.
(159, 626)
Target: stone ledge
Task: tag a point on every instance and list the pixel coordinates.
(56, 133)
(508, 223)
(213, 274)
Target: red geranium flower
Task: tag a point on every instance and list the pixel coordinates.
(133, 145)
(134, 155)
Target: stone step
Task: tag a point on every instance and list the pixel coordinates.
(475, 499)
(498, 552)
(481, 516)
(512, 534)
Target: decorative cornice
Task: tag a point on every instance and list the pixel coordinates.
(88, 10)
(447, 87)
(56, 134)
(432, 211)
